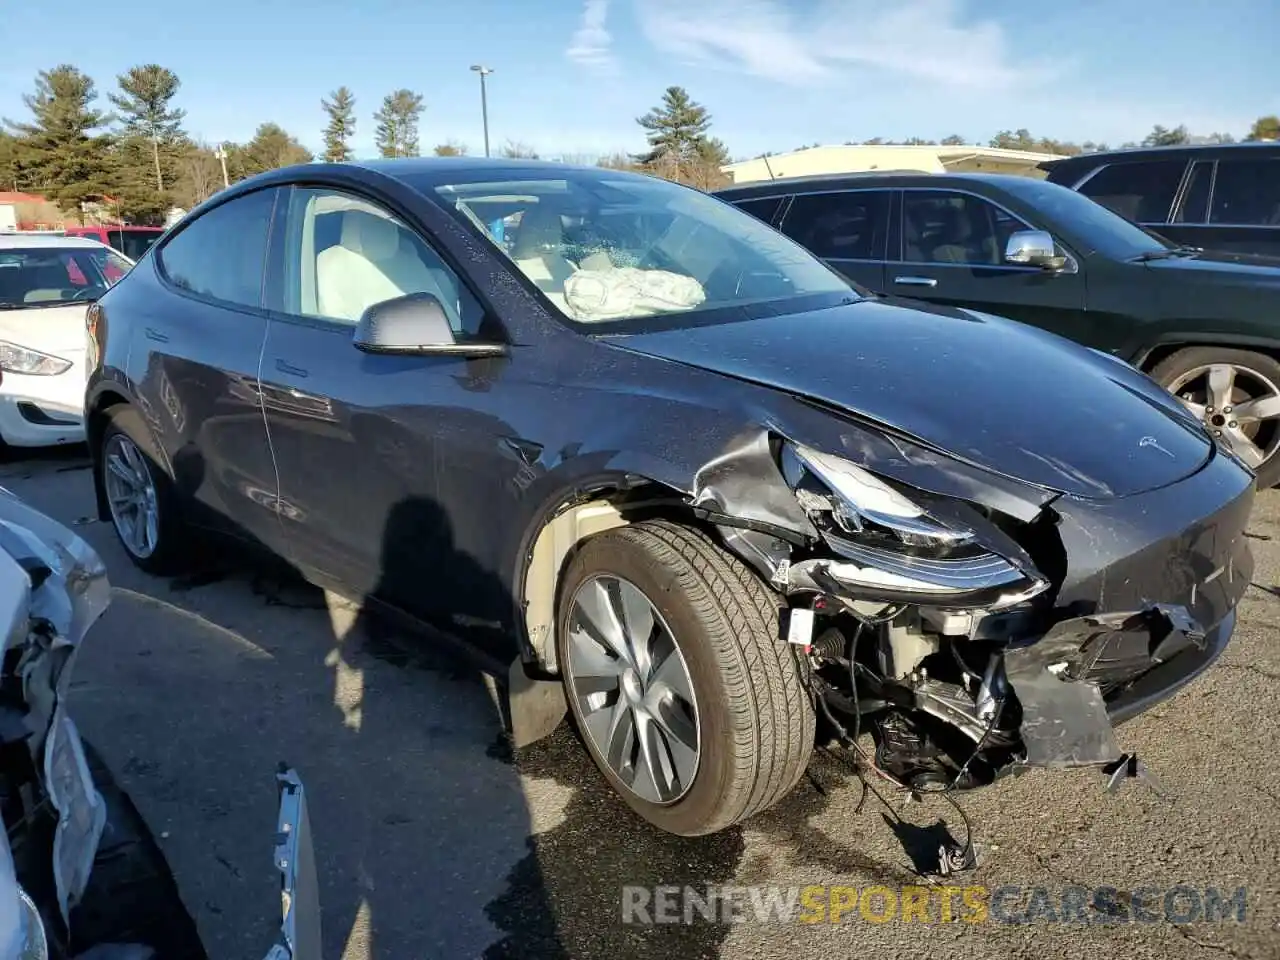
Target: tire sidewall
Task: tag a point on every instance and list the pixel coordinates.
(700, 810)
(127, 423)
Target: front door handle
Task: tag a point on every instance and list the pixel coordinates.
(283, 366)
(916, 281)
(154, 334)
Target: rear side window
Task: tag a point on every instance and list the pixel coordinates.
(1141, 191)
(840, 226)
(1247, 192)
(764, 209)
(1195, 201)
(220, 255)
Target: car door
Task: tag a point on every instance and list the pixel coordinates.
(372, 450)
(848, 229)
(194, 364)
(950, 250)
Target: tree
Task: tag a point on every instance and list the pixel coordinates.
(1019, 139)
(1265, 128)
(679, 145)
(1163, 137)
(451, 148)
(397, 133)
(58, 152)
(271, 147)
(341, 109)
(146, 110)
(955, 140)
(517, 150)
(200, 176)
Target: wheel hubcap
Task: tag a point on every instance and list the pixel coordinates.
(632, 688)
(1239, 406)
(131, 496)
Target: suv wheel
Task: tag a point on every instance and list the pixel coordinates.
(688, 698)
(1236, 394)
(139, 495)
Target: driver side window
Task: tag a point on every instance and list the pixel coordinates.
(943, 227)
(343, 254)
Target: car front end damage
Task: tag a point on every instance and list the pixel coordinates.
(983, 633)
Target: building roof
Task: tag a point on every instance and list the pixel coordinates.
(850, 158)
(13, 196)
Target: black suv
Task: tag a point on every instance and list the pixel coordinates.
(1206, 326)
(1221, 197)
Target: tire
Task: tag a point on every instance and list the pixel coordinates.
(1254, 375)
(754, 717)
(173, 539)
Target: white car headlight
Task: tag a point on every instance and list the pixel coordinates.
(890, 548)
(16, 359)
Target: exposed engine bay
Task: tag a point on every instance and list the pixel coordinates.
(972, 642)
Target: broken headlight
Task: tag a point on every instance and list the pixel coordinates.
(891, 548)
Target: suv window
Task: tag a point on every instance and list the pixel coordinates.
(1195, 200)
(1247, 192)
(840, 226)
(943, 227)
(220, 254)
(343, 254)
(764, 208)
(51, 276)
(1140, 190)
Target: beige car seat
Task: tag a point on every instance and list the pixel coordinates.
(537, 252)
(369, 265)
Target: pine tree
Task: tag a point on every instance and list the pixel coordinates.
(679, 145)
(146, 111)
(59, 153)
(397, 132)
(342, 125)
(271, 147)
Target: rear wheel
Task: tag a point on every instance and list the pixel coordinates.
(1236, 395)
(688, 699)
(144, 511)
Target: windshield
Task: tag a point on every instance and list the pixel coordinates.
(1108, 233)
(606, 248)
(50, 276)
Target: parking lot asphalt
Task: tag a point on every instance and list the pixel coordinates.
(434, 841)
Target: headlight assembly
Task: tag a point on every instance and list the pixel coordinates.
(889, 547)
(16, 359)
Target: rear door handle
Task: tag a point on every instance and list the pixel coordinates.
(154, 334)
(916, 281)
(285, 366)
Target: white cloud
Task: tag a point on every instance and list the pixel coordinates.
(915, 39)
(592, 45)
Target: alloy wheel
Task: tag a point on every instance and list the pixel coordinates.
(1240, 407)
(131, 495)
(632, 688)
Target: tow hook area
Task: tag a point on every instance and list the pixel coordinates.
(1059, 679)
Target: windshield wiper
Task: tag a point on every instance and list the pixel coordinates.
(1180, 251)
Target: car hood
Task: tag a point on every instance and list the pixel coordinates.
(1244, 266)
(50, 329)
(998, 394)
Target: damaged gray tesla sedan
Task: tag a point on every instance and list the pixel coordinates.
(634, 445)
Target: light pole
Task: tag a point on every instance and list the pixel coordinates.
(221, 154)
(484, 102)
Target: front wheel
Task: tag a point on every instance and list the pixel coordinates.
(1236, 395)
(688, 698)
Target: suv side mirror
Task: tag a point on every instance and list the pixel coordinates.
(415, 324)
(1033, 248)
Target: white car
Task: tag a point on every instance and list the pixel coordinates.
(46, 285)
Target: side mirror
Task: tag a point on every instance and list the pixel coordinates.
(415, 324)
(1033, 248)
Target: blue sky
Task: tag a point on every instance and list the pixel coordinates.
(572, 75)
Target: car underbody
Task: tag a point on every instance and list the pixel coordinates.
(1020, 641)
